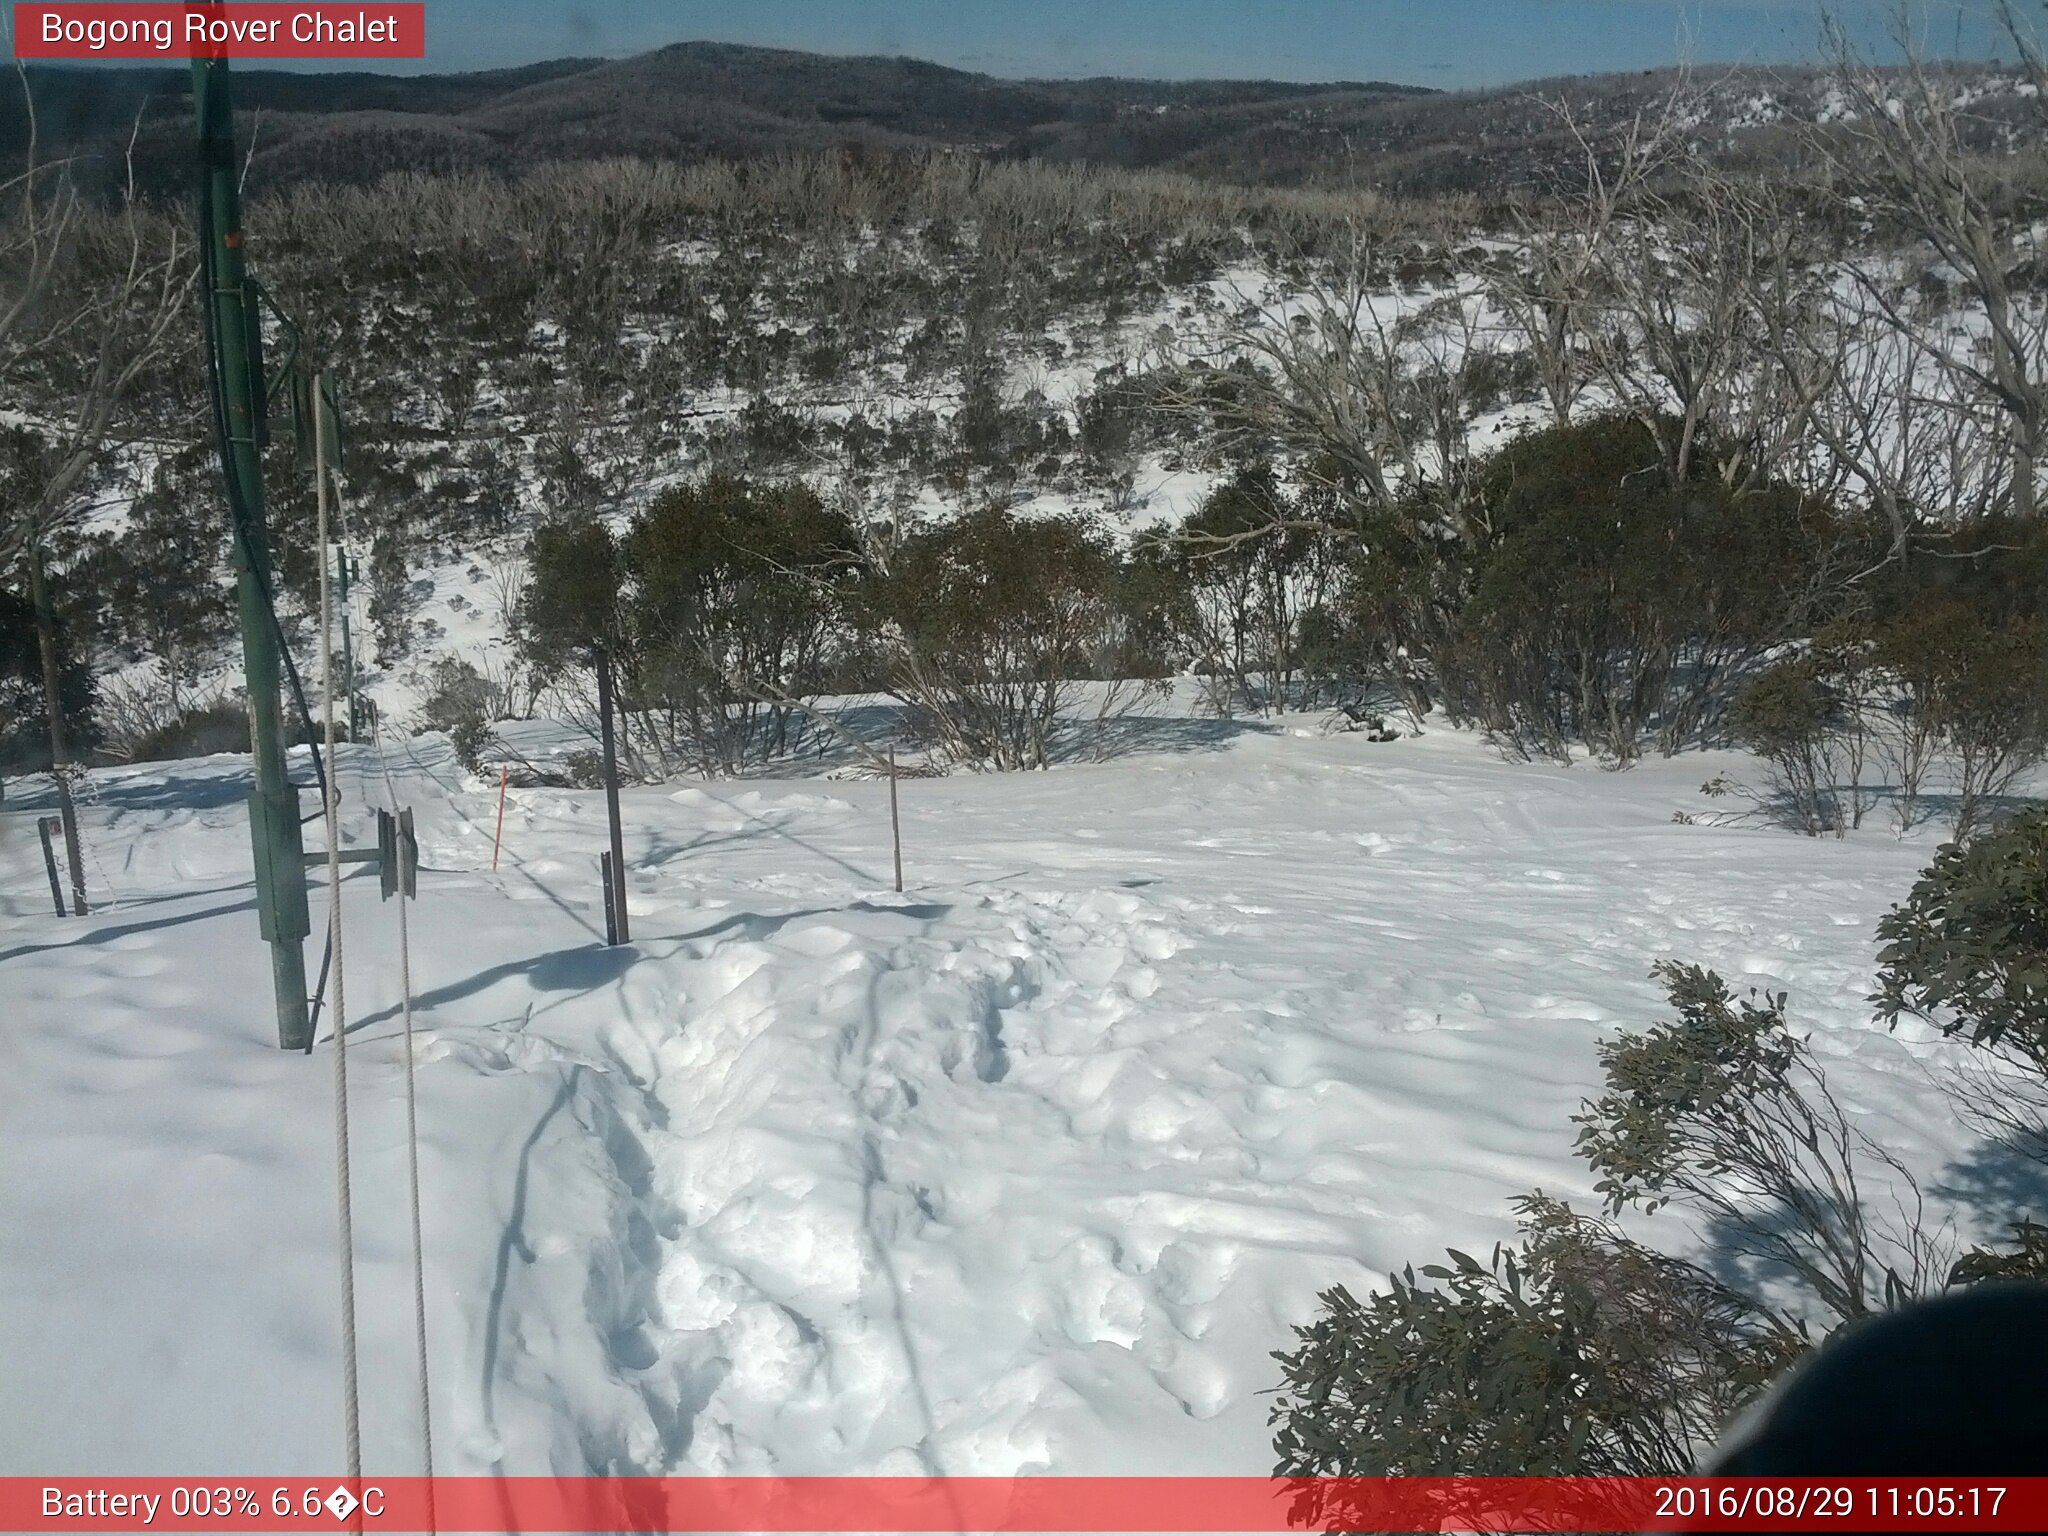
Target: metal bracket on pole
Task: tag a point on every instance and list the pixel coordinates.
(398, 855)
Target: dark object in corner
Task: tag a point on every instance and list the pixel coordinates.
(1954, 1387)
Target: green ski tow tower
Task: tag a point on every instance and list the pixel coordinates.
(235, 368)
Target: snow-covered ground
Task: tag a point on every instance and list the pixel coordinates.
(1027, 1168)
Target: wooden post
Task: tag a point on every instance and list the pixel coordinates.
(504, 773)
(53, 704)
(43, 825)
(617, 873)
(895, 820)
(611, 919)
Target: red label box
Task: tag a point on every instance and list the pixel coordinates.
(108, 29)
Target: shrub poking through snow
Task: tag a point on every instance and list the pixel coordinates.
(1969, 945)
(1581, 1351)
(1791, 717)
(458, 699)
(1724, 1110)
(1968, 949)
(984, 625)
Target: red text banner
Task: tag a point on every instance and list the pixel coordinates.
(1051, 1504)
(109, 29)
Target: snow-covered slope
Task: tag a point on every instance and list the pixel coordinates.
(1027, 1168)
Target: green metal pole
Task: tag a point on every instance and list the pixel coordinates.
(232, 338)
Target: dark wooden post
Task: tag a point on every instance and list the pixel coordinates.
(617, 882)
(895, 820)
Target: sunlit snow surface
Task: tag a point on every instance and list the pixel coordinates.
(1028, 1168)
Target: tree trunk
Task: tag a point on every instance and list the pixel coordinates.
(611, 791)
(53, 708)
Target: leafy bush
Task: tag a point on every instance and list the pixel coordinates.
(1793, 716)
(460, 700)
(735, 594)
(1245, 565)
(719, 611)
(2027, 1259)
(24, 729)
(570, 609)
(983, 625)
(1969, 945)
(1587, 601)
(1968, 690)
(1581, 1352)
(222, 726)
(1968, 949)
(773, 433)
(1725, 1109)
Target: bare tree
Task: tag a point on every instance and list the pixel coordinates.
(1914, 150)
(1546, 288)
(1365, 393)
(1696, 283)
(89, 303)
(40, 208)
(1890, 427)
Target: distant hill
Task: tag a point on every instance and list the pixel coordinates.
(695, 101)
(686, 102)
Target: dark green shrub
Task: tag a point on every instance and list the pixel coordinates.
(570, 609)
(1581, 1352)
(1580, 599)
(1725, 1110)
(774, 434)
(1246, 563)
(1791, 716)
(1970, 691)
(1968, 950)
(459, 699)
(984, 625)
(1969, 946)
(735, 594)
(24, 727)
(222, 726)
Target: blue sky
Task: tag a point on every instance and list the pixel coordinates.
(1425, 42)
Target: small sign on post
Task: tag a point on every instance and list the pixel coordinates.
(611, 916)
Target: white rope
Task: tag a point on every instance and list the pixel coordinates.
(412, 1122)
(412, 1169)
(350, 1406)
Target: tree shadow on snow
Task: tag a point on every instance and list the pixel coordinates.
(513, 1240)
(1731, 1254)
(212, 789)
(112, 931)
(1997, 1183)
(1123, 736)
(1975, 1198)
(585, 968)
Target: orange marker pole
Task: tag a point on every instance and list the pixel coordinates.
(504, 772)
